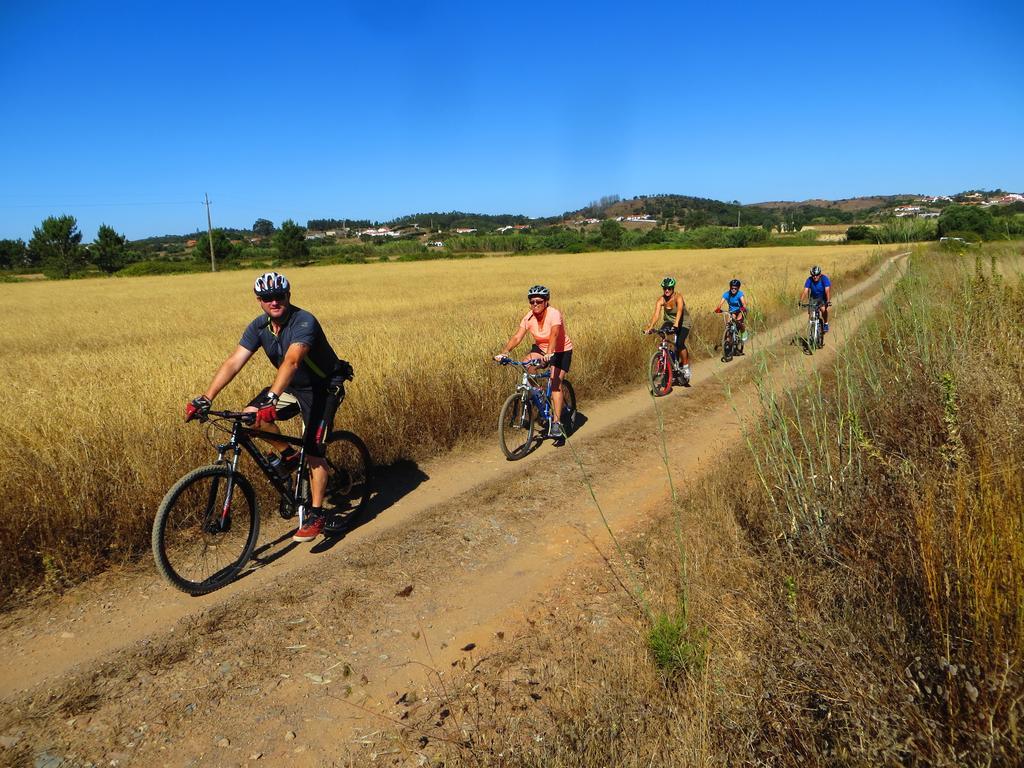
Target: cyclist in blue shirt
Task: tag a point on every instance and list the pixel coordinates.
(737, 306)
(819, 288)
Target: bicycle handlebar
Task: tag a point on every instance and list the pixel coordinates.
(533, 362)
(246, 418)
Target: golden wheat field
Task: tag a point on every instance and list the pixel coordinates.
(103, 368)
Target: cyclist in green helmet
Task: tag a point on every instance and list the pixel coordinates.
(671, 309)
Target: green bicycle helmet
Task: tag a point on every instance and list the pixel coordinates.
(668, 282)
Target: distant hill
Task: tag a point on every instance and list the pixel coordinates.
(669, 210)
(848, 204)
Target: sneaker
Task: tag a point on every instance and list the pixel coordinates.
(745, 336)
(314, 527)
(555, 430)
(686, 374)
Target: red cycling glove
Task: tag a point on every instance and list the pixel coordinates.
(267, 408)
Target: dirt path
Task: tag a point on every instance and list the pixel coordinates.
(321, 641)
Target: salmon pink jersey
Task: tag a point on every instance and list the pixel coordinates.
(541, 332)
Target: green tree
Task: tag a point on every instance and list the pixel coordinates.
(223, 250)
(110, 250)
(263, 227)
(967, 219)
(13, 253)
(57, 245)
(611, 235)
(290, 241)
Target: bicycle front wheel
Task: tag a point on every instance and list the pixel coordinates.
(728, 345)
(205, 529)
(815, 335)
(660, 374)
(348, 460)
(515, 426)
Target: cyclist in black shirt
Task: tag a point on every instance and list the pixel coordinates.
(310, 380)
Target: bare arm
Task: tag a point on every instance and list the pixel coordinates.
(828, 293)
(227, 371)
(657, 311)
(513, 342)
(803, 296)
(293, 358)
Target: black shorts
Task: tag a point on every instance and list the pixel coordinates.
(317, 406)
(560, 360)
(681, 333)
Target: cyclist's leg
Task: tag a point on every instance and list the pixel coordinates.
(534, 354)
(559, 367)
(682, 353)
(287, 407)
(318, 409)
(740, 324)
(824, 315)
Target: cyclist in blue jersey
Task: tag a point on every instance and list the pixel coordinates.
(737, 302)
(310, 381)
(819, 288)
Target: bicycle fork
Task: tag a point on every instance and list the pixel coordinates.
(223, 519)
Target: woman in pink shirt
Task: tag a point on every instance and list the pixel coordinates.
(551, 343)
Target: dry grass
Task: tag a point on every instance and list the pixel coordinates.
(868, 609)
(104, 367)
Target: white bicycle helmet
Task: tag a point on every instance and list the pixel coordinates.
(539, 291)
(271, 282)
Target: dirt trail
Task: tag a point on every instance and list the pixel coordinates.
(125, 669)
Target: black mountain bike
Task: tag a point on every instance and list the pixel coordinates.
(732, 341)
(207, 525)
(815, 328)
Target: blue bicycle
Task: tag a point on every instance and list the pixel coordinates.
(526, 413)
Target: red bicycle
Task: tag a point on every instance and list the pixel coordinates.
(660, 372)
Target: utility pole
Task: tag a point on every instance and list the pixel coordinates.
(209, 229)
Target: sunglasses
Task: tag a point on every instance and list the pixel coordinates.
(274, 296)
(537, 301)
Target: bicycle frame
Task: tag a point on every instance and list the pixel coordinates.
(814, 321)
(528, 384)
(243, 437)
(665, 345)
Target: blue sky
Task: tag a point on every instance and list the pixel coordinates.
(127, 113)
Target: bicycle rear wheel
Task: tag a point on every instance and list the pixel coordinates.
(568, 407)
(660, 374)
(205, 529)
(515, 426)
(349, 483)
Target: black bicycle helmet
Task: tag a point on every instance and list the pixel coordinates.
(734, 283)
(815, 270)
(539, 291)
(668, 282)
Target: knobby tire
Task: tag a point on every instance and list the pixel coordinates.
(515, 426)
(194, 551)
(568, 407)
(660, 374)
(351, 472)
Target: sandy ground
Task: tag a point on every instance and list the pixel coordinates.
(314, 644)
